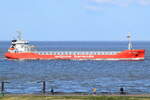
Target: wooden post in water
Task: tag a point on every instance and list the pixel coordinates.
(3, 87)
(43, 86)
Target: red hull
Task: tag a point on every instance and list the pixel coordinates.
(124, 55)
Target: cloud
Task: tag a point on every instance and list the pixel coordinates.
(122, 2)
(100, 5)
(93, 8)
(90, 7)
(102, 1)
(144, 2)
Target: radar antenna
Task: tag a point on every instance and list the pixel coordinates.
(19, 35)
(130, 42)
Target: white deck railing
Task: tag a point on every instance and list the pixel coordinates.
(76, 52)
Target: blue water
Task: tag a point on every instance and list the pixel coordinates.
(77, 76)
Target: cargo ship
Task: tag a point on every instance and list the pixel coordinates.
(21, 49)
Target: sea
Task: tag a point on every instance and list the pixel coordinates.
(73, 76)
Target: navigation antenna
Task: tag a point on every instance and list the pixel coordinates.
(130, 42)
(19, 35)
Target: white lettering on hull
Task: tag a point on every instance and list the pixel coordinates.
(74, 56)
(59, 56)
(88, 56)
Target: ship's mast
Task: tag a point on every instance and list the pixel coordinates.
(130, 42)
(19, 35)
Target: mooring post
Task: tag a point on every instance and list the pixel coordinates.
(3, 87)
(43, 86)
(52, 91)
(121, 90)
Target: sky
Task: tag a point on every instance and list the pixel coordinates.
(75, 20)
